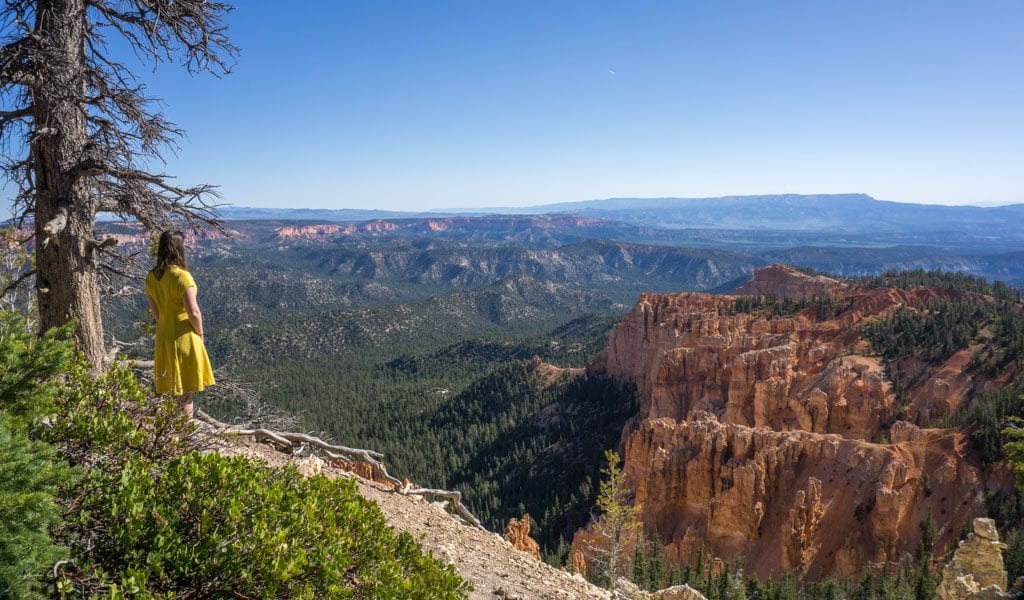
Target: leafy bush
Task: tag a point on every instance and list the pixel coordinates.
(103, 421)
(154, 518)
(213, 526)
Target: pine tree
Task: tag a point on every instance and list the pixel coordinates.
(616, 522)
(29, 470)
(29, 477)
(925, 580)
(656, 563)
(81, 131)
(640, 573)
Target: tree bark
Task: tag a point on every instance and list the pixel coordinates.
(65, 205)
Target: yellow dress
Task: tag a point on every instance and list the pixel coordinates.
(180, 362)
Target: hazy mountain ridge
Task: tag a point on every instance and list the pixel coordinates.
(734, 222)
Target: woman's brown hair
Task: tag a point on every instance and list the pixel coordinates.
(170, 250)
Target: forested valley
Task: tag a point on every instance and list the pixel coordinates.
(478, 385)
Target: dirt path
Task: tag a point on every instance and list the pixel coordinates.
(495, 568)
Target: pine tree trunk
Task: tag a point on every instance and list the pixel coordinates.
(66, 269)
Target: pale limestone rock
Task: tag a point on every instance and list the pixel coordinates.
(976, 571)
(309, 465)
(625, 589)
(677, 592)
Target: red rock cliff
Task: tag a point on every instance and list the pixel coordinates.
(758, 437)
(795, 502)
(783, 281)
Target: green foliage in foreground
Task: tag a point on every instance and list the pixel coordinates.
(29, 475)
(147, 516)
(217, 526)
(27, 366)
(30, 471)
(163, 521)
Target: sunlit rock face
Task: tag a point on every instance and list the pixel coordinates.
(976, 569)
(778, 440)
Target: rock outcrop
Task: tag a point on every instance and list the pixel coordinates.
(690, 352)
(783, 281)
(778, 441)
(625, 589)
(976, 570)
(323, 231)
(795, 502)
(312, 232)
(517, 533)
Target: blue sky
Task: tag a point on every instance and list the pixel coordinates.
(415, 105)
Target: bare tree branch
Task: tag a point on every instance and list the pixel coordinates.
(17, 282)
(163, 29)
(66, 99)
(13, 117)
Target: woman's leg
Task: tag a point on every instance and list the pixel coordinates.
(186, 404)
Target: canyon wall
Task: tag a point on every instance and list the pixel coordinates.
(795, 501)
(778, 441)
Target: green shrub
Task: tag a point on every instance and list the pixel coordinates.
(103, 421)
(30, 472)
(27, 366)
(153, 518)
(208, 526)
(29, 478)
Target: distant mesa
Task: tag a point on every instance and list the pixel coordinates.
(467, 224)
(133, 234)
(818, 215)
(312, 232)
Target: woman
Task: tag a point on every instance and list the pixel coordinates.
(181, 364)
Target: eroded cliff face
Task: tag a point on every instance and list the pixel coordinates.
(312, 232)
(783, 281)
(689, 352)
(778, 440)
(795, 501)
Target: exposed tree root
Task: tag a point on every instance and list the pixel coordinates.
(286, 441)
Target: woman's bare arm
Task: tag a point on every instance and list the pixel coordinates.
(192, 309)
